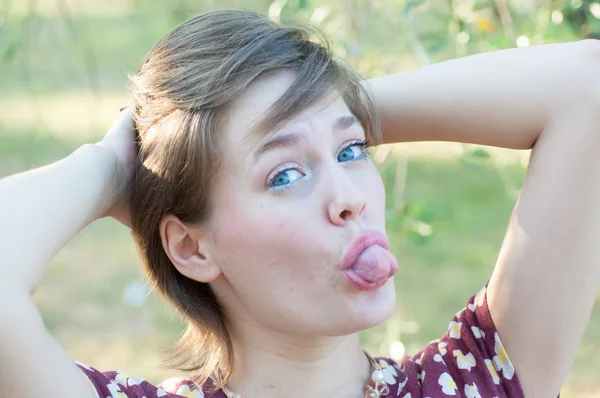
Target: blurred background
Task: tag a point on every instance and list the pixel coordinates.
(63, 75)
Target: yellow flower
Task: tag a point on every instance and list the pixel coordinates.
(187, 393)
(472, 391)
(464, 361)
(454, 329)
(442, 348)
(501, 361)
(490, 367)
(448, 385)
(480, 297)
(486, 25)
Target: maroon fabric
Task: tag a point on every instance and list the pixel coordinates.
(468, 361)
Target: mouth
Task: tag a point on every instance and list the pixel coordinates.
(368, 263)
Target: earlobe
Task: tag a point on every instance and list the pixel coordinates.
(187, 250)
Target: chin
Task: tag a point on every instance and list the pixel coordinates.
(366, 310)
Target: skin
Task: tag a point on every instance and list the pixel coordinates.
(540, 294)
(273, 256)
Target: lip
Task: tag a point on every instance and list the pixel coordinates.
(361, 243)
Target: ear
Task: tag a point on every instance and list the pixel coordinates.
(188, 249)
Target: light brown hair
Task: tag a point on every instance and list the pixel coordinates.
(181, 90)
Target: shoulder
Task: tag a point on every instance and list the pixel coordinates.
(468, 360)
(118, 384)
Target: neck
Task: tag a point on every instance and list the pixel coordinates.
(283, 366)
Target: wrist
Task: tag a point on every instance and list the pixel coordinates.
(102, 167)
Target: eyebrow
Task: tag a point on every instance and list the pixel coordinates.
(344, 122)
(291, 139)
(280, 141)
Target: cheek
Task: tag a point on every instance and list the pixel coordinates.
(258, 242)
(372, 186)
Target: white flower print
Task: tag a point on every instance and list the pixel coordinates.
(501, 361)
(401, 385)
(472, 391)
(478, 333)
(480, 297)
(115, 390)
(442, 348)
(389, 372)
(127, 379)
(490, 367)
(464, 361)
(448, 385)
(171, 383)
(185, 391)
(438, 358)
(454, 329)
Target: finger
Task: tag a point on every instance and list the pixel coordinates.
(124, 120)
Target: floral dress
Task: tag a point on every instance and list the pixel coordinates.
(468, 361)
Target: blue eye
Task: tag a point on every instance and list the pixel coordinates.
(354, 151)
(286, 176)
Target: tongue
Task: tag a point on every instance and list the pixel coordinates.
(375, 264)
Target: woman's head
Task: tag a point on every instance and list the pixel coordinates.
(252, 183)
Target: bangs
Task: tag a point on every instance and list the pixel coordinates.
(314, 84)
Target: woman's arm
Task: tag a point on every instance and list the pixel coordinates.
(41, 210)
(548, 273)
(503, 98)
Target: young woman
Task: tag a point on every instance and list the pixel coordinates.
(258, 214)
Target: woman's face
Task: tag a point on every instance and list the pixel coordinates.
(286, 208)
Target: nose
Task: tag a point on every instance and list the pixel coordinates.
(346, 201)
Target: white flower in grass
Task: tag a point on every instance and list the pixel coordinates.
(464, 361)
(490, 367)
(448, 385)
(501, 361)
(472, 391)
(454, 329)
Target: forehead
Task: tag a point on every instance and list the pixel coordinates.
(248, 110)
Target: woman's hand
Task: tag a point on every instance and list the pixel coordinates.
(120, 144)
